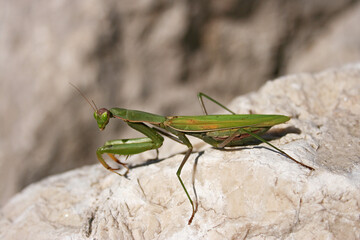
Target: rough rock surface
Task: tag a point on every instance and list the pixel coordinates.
(153, 55)
(249, 192)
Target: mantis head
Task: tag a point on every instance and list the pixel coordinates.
(102, 117)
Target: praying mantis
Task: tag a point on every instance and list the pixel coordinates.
(219, 131)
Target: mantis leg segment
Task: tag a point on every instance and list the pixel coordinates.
(114, 170)
(186, 141)
(200, 97)
(112, 156)
(130, 146)
(281, 151)
(124, 147)
(183, 185)
(163, 132)
(229, 139)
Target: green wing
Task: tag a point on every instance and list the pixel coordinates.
(218, 122)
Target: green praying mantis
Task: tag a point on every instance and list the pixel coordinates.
(217, 130)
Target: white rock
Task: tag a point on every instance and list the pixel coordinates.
(116, 54)
(250, 192)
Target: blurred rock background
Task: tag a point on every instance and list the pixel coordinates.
(148, 55)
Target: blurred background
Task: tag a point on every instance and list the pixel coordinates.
(151, 55)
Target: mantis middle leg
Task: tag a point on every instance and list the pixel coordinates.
(186, 141)
(200, 97)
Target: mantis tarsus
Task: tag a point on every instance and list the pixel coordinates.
(217, 130)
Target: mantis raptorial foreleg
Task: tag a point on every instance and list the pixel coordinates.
(112, 156)
(130, 146)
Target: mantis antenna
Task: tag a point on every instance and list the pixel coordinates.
(93, 105)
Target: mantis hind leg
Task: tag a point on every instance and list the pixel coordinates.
(281, 151)
(200, 97)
